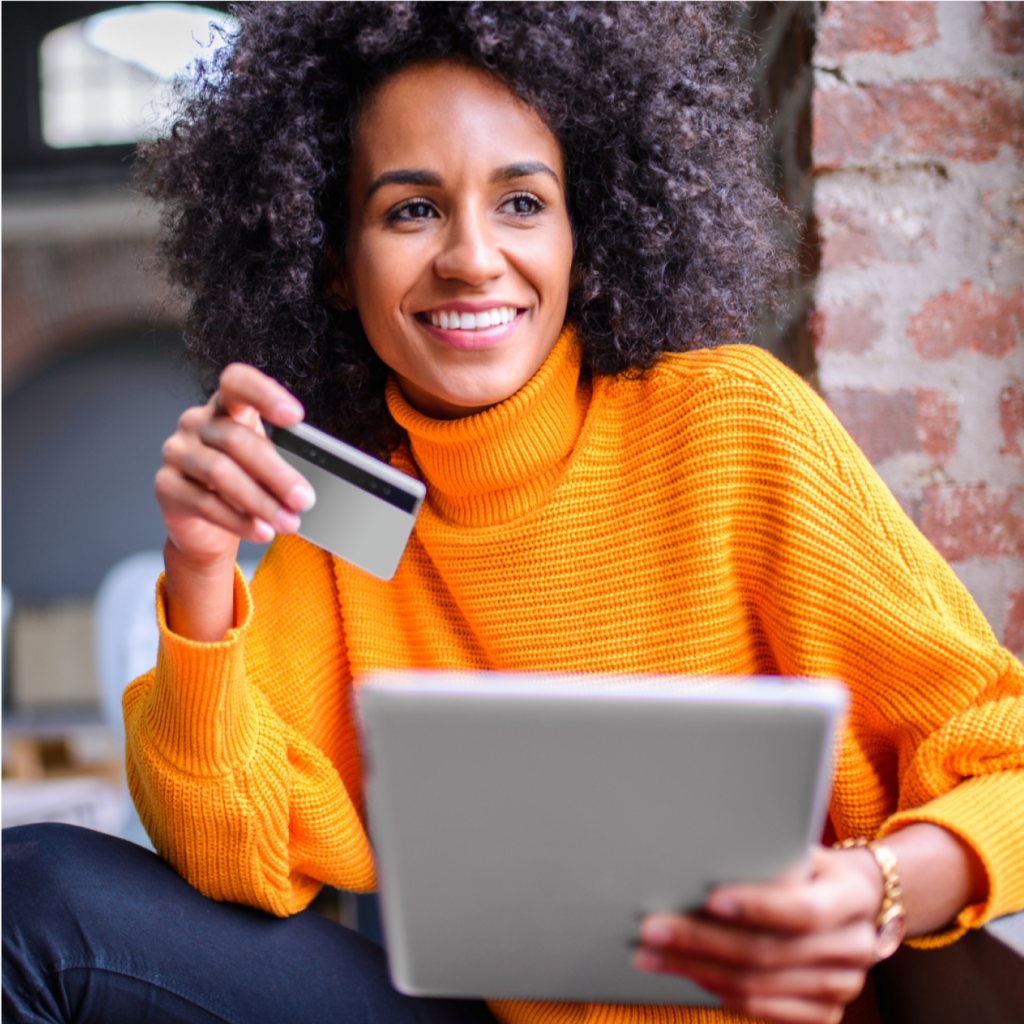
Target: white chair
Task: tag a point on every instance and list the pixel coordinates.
(126, 638)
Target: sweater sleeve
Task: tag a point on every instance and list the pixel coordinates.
(241, 756)
(845, 586)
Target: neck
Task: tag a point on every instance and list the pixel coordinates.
(499, 464)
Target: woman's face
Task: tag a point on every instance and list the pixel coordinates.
(460, 249)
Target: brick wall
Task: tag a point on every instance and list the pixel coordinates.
(918, 330)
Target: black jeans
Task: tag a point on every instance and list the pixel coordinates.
(96, 929)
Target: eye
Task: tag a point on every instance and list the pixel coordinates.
(522, 205)
(412, 210)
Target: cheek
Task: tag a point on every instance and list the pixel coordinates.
(379, 275)
(559, 262)
(547, 264)
(365, 260)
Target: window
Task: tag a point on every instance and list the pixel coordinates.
(103, 79)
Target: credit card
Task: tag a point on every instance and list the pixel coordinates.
(365, 509)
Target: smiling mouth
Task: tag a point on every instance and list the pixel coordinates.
(453, 320)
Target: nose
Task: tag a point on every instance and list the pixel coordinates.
(470, 251)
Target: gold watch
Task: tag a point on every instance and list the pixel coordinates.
(891, 923)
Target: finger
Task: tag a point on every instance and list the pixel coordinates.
(217, 472)
(796, 997)
(822, 984)
(182, 497)
(243, 387)
(788, 1010)
(260, 460)
(223, 476)
(204, 426)
(688, 935)
(837, 893)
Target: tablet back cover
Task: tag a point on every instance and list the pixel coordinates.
(524, 826)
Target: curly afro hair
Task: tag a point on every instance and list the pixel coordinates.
(673, 227)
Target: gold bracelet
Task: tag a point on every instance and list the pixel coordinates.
(891, 923)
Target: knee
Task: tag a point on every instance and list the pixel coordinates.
(43, 862)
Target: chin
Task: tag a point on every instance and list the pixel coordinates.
(470, 402)
(470, 406)
(475, 393)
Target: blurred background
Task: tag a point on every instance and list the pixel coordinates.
(94, 380)
(897, 138)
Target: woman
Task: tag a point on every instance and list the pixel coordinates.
(495, 244)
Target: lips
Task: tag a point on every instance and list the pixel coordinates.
(472, 329)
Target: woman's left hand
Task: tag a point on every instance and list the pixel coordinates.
(796, 949)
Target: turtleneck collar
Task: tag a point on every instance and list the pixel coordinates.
(497, 465)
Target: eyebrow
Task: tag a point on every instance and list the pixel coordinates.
(523, 170)
(403, 177)
(422, 177)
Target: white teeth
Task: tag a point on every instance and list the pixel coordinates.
(451, 320)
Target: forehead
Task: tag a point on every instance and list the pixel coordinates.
(445, 113)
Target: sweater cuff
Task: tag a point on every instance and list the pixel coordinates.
(985, 812)
(200, 715)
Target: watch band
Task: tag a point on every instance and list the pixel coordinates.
(891, 922)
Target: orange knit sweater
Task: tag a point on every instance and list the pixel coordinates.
(711, 517)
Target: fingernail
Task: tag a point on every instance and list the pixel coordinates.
(288, 410)
(647, 959)
(656, 933)
(287, 522)
(302, 497)
(264, 531)
(723, 906)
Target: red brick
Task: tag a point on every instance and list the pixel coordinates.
(848, 237)
(856, 126)
(974, 522)
(891, 423)
(967, 320)
(879, 27)
(1011, 419)
(882, 424)
(1005, 23)
(854, 237)
(21, 320)
(64, 296)
(1013, 631)
(847, 328)
(937, 423)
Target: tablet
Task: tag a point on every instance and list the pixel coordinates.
(524, 825)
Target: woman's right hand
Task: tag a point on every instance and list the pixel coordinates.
(222, 480)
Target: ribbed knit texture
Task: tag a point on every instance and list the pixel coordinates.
(710, 517)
